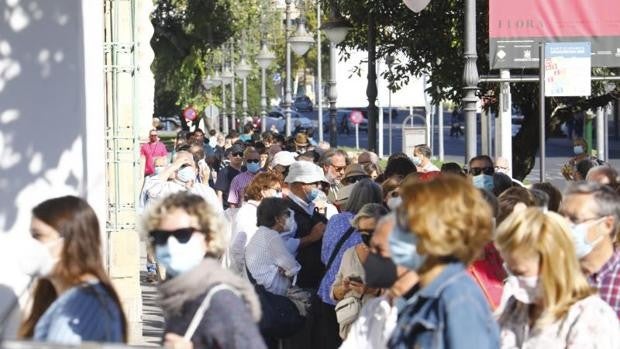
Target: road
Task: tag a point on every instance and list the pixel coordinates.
(558, 151)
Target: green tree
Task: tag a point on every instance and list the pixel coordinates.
(432, 42)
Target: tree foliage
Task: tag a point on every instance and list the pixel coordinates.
(432, 42)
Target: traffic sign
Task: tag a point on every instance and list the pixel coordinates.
(356, 117)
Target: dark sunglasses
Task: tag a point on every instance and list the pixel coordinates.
(160, 237)
(253, 161)
(478, 170)
(238, 154)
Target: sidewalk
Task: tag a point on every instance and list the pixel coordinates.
(152, 317)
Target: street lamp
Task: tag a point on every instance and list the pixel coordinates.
(243, 71)
(389, 60)
(227, 78)
(233, 103)
(264, 59)
(300, 43)
(336, 29)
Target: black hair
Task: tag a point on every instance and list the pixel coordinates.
(270, 209)
(399, 164)
(453, 168)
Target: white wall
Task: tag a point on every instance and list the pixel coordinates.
(352, 88)
(51, 120)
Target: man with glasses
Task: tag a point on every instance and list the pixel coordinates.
(334, 163)
(593, 214)
(481, 169)
(228, 173)
(241, 181)
(151, 150)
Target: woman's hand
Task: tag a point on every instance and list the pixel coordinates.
(356, 286)
(174, 341)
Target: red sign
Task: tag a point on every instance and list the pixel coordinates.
(518, 28)
(356, 117)
(190, 114)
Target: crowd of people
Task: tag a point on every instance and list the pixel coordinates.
(262, 241)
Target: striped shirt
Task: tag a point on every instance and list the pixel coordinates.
(83, 313)
(270, 263)
(607, 281)
(237, 187)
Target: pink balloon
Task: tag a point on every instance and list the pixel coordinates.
(416, 5)
(190, 114)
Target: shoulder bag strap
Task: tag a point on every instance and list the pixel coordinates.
(344, 238)
(206, 302)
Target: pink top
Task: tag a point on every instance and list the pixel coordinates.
(151, 151)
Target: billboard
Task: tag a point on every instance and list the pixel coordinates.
(516, 29)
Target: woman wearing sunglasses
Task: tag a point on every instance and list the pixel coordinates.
(186, 235)
(75, 301)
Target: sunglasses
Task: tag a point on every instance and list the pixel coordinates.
(239, 154)
(253, 161)
(478, 170)
(160, 237)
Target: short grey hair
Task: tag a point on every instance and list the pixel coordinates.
(364, 192)
(609, 172)
(424, 150)
(326, 158)
(606, 199)
(375, 211)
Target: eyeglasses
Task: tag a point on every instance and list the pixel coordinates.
(478, 170)
(339, 168)
(254, 161)
(160, 237)
(237, 154)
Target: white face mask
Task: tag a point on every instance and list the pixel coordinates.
(186, 174)
(52, 250)
(178, 258)
(525, 289)
(394, 202)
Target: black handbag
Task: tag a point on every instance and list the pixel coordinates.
(280, 317)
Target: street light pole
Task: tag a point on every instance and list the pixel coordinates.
(470, 78)
(319, 73)
(333, 96)
(287, 88)
(224, 117)
(390, 61)
(371, 89)
(233, 103)
(264, 59)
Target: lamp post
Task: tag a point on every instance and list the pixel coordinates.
(227, 78)
(336, 29)
(264, 59)
(243, 71)
(300, 42)
(233, 103)
(389, 60)
(470, 78)
(318, 68)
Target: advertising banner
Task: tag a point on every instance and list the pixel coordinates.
(567, 69)
(517, 28)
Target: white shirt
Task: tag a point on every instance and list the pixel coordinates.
(159, 189)
(243, 229)
(430, 167)
(269, 261)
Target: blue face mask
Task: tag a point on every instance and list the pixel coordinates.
(253, 167)
(178, 258)
(416, 161)
(313, 194)
(578, 150)
(579, 233)
(186, 174)
(403, 249)
(483, 181)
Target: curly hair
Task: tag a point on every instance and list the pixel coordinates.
(209, 223)
(260, 182)
(449, 217)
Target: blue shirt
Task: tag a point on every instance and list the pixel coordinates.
(335, 229)
(83, 313)
(450, 312)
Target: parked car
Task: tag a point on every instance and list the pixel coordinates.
(276, 117)
(303, 103)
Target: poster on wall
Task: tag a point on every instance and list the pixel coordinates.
(567, 69)
(518, 28)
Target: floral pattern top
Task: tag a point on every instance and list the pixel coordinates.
(589, 323)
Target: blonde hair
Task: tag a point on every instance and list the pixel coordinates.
(547, 235)
(449, 217)
(209, 223)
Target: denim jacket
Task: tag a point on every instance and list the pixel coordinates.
(451, 312)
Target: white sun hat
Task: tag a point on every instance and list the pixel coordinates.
(305, 172)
